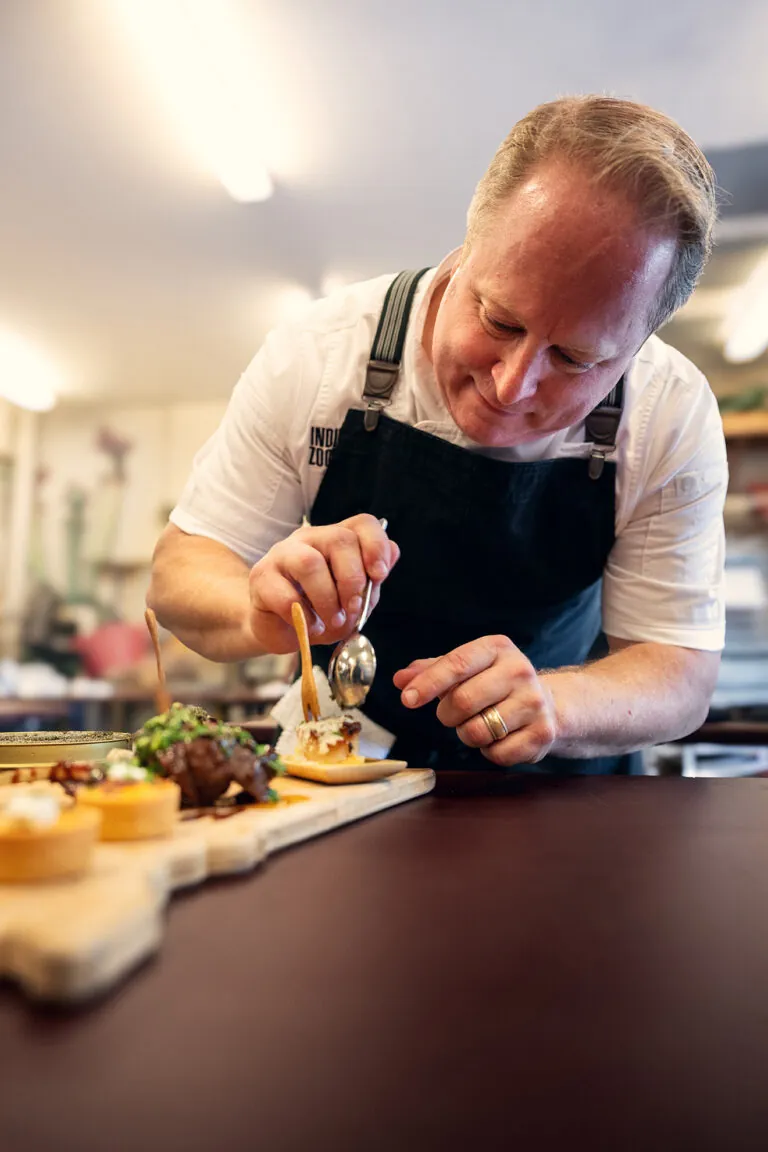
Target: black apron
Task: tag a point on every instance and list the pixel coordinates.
(487, 547)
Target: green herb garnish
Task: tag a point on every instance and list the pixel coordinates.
(184, 723)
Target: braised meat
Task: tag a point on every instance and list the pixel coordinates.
(204, 756)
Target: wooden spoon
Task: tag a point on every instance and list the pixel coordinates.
(309, 701)
(162, 695)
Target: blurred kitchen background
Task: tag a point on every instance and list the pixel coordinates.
(180, 175)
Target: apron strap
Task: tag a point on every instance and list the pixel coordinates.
(387, 352)
(601, 427)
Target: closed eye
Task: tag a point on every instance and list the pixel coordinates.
(571, 360)
(503, 329)
(507, 329)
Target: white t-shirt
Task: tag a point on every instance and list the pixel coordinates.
(259, 473)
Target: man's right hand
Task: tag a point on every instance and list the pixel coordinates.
(326, 568)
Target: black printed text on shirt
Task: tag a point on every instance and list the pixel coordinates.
(322, 442)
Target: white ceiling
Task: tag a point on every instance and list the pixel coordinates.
(133, 269)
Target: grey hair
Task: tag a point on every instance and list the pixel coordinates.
(630, 147)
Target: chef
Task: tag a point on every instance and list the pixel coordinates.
(549, 588)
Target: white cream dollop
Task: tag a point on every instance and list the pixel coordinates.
(120, 756)
(33, 810)
(320, 736)
(122, 772)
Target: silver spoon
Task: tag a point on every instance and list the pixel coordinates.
(352, 666)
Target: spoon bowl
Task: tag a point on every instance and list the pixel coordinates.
(352, 666)
(351, 671)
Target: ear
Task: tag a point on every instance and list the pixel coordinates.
(451, 274)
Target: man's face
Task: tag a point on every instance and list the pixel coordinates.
(546, 309)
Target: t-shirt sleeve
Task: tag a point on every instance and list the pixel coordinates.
(245, 489)
(664, 580)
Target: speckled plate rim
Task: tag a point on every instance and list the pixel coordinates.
(39, 752)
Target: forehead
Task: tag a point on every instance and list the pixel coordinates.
(561, 252)
(558, 208)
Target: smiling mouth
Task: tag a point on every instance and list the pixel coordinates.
(522, 419)
(495, 408)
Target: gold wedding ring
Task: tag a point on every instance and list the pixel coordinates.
(494, 722)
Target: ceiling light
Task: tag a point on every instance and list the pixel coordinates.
(194, 53)
(746, 333)
(27, 378)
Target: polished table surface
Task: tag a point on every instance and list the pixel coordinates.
(562, 964)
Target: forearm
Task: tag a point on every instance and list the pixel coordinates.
(643, 694)
(199, 591)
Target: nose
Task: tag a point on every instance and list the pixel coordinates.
(516, 375)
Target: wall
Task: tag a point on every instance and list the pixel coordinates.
(120, 521)
(7, 452)
(9, 566)
(7, 426)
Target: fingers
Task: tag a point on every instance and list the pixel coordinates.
(327, 567)
(486, 673)
(296, 573)
(307, 569)
(394, 554)
(341, 550)
(528, 745)
(374, 545)
(272, 592)
(515, 695)
(354, 550)
(515, 714)
(268, 611)
(447, 672)
(404, 676)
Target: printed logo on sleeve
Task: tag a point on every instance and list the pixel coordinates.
(322, 442)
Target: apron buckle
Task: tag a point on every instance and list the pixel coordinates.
(372, 413)
(380, 380)
(596, 463)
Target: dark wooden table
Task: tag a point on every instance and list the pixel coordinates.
(564, 965)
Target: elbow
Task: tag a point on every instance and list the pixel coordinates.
(153, 599)
(697, 716)
(157, 595)
(702, 680)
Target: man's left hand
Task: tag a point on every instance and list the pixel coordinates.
(486, 673)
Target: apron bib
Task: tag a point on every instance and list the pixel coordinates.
(487, 547)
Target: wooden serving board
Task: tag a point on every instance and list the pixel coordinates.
(72, 939)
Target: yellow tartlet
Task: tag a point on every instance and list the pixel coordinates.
(139, 811)
(63, 848)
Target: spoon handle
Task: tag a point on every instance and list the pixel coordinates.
(368, 590)
(366, 605)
